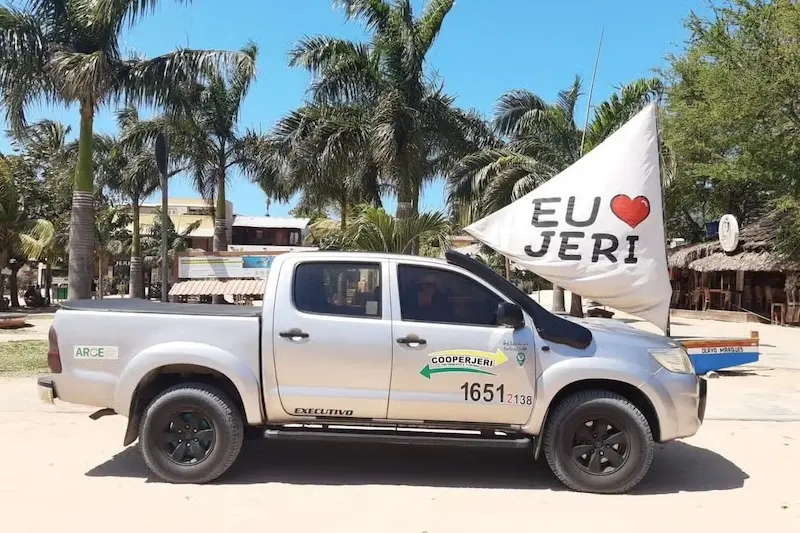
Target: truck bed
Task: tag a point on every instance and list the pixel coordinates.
(138, 305)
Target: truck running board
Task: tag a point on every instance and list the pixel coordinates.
(411, 437)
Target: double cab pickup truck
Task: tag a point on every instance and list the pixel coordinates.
(353, 346)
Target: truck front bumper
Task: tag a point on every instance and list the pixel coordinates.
(679, 401)
(46, 390)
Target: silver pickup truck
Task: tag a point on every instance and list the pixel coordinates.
(377, 347)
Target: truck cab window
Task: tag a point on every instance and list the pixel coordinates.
(345, 289)
(434, 295)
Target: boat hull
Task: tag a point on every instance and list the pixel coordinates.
(709, 355)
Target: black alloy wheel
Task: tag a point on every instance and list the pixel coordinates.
(599, 446)
(191, 433)
(598, 441)
(188, 438)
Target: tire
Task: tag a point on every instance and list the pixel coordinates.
(578, 424)
(211, 409)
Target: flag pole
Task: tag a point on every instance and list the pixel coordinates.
(591, 90)
(579, 312)
(663, 201)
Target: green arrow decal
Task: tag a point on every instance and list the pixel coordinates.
(427, 371)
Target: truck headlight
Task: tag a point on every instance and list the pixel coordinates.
(673, 359)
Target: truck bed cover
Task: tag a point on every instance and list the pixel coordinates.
(137, 305)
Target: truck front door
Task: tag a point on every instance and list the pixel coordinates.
(451, 361)
(333, 338)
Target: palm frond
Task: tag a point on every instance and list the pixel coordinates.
(160, 80)
(518, 109)
(375, 13)
(621, 107)
(430, 23)
(118, 13)
(34, 237)
(23, 60)
(568, 99)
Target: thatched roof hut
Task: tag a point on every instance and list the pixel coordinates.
(755, 253)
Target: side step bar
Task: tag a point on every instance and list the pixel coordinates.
(398, 437)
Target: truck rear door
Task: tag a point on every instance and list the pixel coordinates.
(451, 362)
(333, 337)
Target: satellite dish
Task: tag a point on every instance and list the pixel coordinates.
(728, 233)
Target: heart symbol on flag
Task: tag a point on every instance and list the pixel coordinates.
(631, 211)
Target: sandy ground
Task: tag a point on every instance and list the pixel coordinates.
(61, 471)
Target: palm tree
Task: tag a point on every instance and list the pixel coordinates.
(127, 166)
(48, 160)
(202, 125)
(177, 241)
(413, 130)
(325, 151)
(21, 237)
(69, 51)
(540, 140)
(111, 239)
(372, 229)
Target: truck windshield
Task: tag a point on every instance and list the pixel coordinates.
(549, 326)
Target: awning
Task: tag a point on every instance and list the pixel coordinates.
(212, 287)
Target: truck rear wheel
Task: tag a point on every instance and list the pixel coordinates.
(598, 441)
(191, 433)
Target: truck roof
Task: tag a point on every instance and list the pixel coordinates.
(363, 256)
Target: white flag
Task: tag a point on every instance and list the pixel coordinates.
(596, 228)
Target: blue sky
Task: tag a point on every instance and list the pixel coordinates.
(486, 47)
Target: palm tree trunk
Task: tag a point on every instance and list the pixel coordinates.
(81, 230)
(220, 225)
(220, 222)
(576, 306)
(48, 284)
(13, 283)
(3, 260)
(558, 299)
(136, 287)
(100, 261)
(344, 212)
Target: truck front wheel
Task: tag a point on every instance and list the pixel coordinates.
(191, 433)
(598, 441)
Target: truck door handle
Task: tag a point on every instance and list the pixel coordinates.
(294, 334)
(412, 341)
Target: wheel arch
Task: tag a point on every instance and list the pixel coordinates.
(165, 376)
(630, 392)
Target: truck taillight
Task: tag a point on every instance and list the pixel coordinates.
(53, 355)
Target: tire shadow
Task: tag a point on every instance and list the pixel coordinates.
(677, 467)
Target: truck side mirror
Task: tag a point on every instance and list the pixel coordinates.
(510, 315)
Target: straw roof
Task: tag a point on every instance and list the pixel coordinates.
(754, 254)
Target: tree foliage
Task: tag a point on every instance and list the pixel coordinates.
(70, 52)
(733, 118)
(535, 141)
(202, 125)
(177, 241)
(389, 119)
(371, 229)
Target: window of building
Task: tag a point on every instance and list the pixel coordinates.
(435, 295)
(265, 236)
(347, 289)
(205, 210)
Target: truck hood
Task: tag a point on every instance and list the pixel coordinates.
(609, 330)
